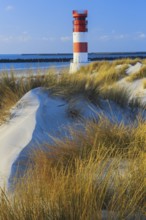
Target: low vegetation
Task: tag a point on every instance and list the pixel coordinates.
(138, 75)
(98, 173)
(128, 61)
(94, 81)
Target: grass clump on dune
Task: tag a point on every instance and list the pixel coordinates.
(96, 80)
(69, 86)
(12, 88)
(117, 94)
(104, 71)
(96, 173)
(138, 75)
(127, 61)
(144, 83)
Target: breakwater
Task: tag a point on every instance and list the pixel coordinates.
(65, 59)
(34, 60)
(44, 58)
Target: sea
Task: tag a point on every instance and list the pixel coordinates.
(44, 61)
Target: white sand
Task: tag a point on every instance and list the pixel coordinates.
(38, 117)
(134, 68)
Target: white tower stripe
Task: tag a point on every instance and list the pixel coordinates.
(80, 57)
(79, 37)
(80, 42)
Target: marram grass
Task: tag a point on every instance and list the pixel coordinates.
(87, 177)
(138, 75)
(94, 81)
(98, 174)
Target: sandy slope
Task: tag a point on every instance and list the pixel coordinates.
(134, 68)
(16, 133)
(38, 117)
(135, 88)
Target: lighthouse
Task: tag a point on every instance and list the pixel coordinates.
(80, 44)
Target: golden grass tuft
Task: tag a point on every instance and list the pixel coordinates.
(12, 88)
(144, 83)
(93, 81)
(127, 61)
(138, 75)
(98, 171)
(115, 93)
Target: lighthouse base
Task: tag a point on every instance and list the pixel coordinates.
(74, 67)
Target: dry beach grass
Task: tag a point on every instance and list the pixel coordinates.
(101, 169)
(97, 174)
(138, 75)
(94, 81)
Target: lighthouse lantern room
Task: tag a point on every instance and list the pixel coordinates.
(80, 44)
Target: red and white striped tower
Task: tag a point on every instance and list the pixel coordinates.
(80, 44)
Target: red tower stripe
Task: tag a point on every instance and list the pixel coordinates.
(80, 47)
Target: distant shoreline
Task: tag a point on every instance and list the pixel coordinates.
(98, 53)
(65, 59)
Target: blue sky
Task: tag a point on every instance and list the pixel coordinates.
(45, 26)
